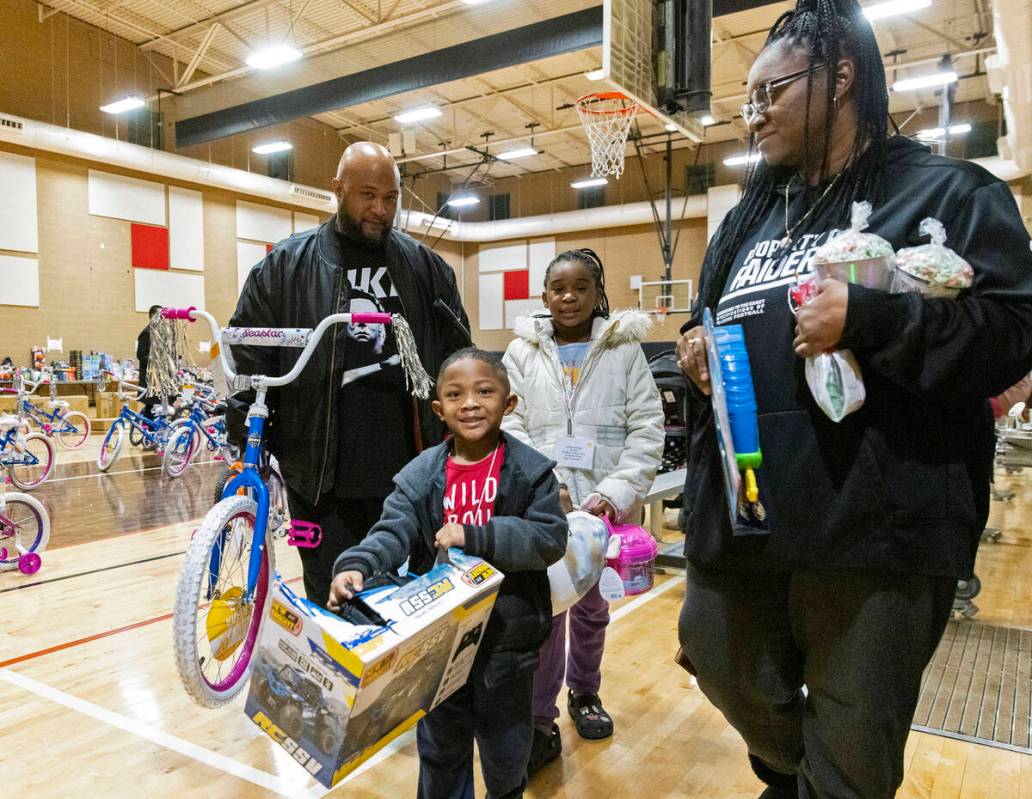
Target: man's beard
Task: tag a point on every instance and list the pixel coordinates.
(352, 228)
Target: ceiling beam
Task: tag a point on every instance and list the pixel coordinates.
(569, 33)
(209, 37)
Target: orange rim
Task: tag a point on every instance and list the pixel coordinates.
(582, 104)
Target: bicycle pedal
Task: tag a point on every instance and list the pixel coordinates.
(306, 535)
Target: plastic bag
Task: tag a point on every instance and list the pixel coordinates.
(834, 378)
(857, 257)
(932, 269)
(836, 383)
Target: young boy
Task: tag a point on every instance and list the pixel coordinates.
(497, 499)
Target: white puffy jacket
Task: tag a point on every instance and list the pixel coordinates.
(615, 404)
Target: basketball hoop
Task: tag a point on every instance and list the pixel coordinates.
(661, 314)
(607, 118)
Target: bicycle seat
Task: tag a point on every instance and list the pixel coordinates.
(62, 404)
(7, 421)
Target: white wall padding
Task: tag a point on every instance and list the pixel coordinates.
(304, 222)
(262, 222)
(18, 230)
(542, 253)
(185, 229)
(493, 258)
(19, 281)
(127, 198)
(248, 254)
(492, 302)
(158, 287)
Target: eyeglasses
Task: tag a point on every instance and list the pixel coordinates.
(762, 96)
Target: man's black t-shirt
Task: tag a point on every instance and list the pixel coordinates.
(377, 436)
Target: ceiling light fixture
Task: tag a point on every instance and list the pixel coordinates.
(589, 183)
(519, 152)
(937, 133)
(463, 201)
(273, 56)
(418, 114)
(742, 160)
(125, 104)
(272, 147)
(925, 81)
(595, 74)
(707, 120)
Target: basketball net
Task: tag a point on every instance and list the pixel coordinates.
(661, 315)
(607, 118)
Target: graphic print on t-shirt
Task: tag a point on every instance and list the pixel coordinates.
(370, 347)
(766, 266)
(470, 489)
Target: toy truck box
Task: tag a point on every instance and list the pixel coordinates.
(332, 693)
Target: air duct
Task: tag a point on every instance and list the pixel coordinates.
(110, 152)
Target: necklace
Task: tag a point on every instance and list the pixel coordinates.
(787, 241)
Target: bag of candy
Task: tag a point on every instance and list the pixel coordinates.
(931, 269)
(856, 257)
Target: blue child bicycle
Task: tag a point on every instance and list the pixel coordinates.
(154, 432)
(27, 457)
(70, 428)
(224, 583)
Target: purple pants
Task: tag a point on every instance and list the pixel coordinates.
(582, 666)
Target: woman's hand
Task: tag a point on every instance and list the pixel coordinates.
(691, 357)
(819, 324)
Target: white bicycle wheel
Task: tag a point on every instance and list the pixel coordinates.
(111, 446)
(73, 430)
(24, 529)
(215, 632)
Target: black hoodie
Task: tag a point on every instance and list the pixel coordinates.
(901, 485)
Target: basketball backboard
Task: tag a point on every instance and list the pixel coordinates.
(629, 60)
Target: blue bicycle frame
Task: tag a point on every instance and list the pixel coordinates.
(47, 420)
(249, 478)
(11, 457)
(148, 428)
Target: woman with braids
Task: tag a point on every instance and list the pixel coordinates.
(841, 579)
(581, 377)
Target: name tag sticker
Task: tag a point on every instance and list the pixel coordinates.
(574, 452)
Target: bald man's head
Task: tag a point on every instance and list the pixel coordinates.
(367, 187)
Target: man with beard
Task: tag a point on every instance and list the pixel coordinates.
(348, 423)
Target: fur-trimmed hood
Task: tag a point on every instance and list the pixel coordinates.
(622, 327)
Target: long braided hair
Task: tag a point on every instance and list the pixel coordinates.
(828, 30)
(590, 260)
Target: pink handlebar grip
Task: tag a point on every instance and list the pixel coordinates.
(370, 318)
(8, 391)
(179, 313)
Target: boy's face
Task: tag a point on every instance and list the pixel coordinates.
(471, 400)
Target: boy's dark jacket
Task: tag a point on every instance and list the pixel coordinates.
(526, 534)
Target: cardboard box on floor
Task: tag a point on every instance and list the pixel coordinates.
(333, 693)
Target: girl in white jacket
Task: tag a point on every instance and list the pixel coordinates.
(587, 400)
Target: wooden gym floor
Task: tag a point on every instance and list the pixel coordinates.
(90, 703)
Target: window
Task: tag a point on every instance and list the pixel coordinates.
(145, 129)
(280, 165)
(698, 178)
(499, 208)
(591, 198)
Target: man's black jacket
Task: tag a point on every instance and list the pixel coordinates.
(297, 285)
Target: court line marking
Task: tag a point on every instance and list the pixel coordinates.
(211, 758)
(166, 740)
(103, 634)
(91, 571)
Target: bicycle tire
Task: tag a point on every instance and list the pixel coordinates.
(79, 433)
(135, 436)
(190, 600)
(179, 452)
(27, 511)
(26, 477)
(111, 446)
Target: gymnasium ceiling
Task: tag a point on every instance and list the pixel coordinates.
(210, 39)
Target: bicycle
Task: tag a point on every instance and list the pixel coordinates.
(203, 422)
(224, 582)
(71, 428)
(24, 531)
(153, 431)
(28, 458)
